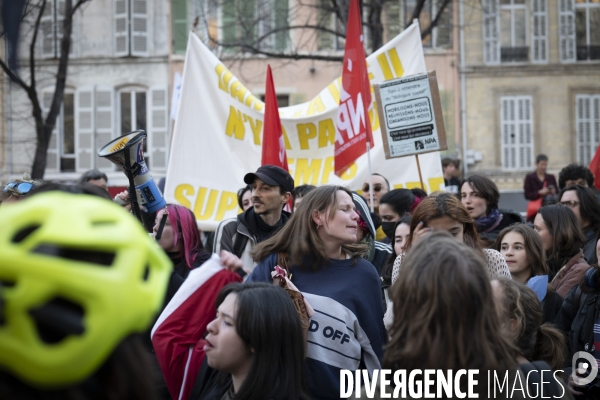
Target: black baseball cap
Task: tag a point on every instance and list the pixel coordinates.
(272, 175)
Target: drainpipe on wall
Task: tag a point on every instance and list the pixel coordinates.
(8, 115)
(463, 88)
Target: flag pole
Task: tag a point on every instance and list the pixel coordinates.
(419, 169)
(370, 176)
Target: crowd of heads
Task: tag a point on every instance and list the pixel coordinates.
(448, 310)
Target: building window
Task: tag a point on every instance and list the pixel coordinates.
(516, 116)
(283, 100)
(51, 29)
(587, 29)
(587, 126)
(61, 149)
(131, 28)
(513, 31)
(248, 25)
(132, 109)
(441, 36)
(180, 30)
(327, 19)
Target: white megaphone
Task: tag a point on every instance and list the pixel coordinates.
(127, 152)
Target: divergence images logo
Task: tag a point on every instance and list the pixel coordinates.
(583, 367)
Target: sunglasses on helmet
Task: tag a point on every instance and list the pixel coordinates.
(19, 187)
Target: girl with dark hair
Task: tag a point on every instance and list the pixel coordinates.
(252, 349)
(401, 232)
(453, 326)
(325, 264)
(562, 240)
(180, 238)
(394, 205)
(480, 197)
(444, 212)
(524, 253)
(244, 196)
(521, 315)
(586, 207)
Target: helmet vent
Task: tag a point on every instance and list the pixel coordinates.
(58, 319)
(24, 233)
(7, 283)
(146, 273)
(88, 256)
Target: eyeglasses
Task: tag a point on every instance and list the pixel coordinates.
(570, 203)
(376, 187)
(19, 187)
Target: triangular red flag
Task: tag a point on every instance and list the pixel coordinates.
(273, 146)
(353, 127)
(595, 168)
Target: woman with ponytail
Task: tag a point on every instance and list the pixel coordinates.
(521, 313)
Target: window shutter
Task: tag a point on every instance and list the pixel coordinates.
(121, 33)
(325, 20)
(539, 31)
(180, 25)
(491, 45)
(265, 14)
(84, 128)
(281, 21)
(392, 19)
(105, 124)
(566, 30)
(587, 122)
(159, 127)
(229, 24)
(516, 115)
(139, 28)
(248, 22)
(52, 157)
(48, 31)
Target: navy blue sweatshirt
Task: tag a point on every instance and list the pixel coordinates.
(347, 330)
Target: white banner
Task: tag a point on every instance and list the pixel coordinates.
(218, 132)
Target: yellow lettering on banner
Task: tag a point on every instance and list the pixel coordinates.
(181, 191)
(285, 138)
(374, 117)
(307, 173)
(256, 126)
(315, 106)
(328, 169)
(235, 124)
(204, 209)
(326, 132)
(334, 89)
(398, 186)
(224, 77)
(291, 162)
(435, 184)
(412, 185)
(227, 202)
(350, 172)
(238, 91)
(305, 132)
(398, 70)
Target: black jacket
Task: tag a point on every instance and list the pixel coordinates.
(551, 306)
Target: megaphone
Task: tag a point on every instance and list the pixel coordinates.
(127, 153)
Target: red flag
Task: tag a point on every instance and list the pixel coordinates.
(595, 168)
(353, 128)
(273, 147)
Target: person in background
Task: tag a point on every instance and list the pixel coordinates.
(298, 193)
(480, 196)
(244, 196)
(380, 187)
(575, 174)
(520, 312)
(235, 238)
(18, 190)
(449, 167)
(401, 233)
(524, 253)
(76, 308)
(586, 207)
(562, 239)
(94, 177)
(377, 252)
(540, 184)
(394, 205)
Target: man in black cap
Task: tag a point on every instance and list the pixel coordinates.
(271, 190)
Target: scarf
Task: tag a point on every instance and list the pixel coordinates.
(488, 223)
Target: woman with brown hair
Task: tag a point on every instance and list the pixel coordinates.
(317, 246)
(444, 212)
(524, 253)
(520, 312)
(446, 317)
(563, 240)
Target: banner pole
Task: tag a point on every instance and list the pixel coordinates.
(370, 176)
(419, 169)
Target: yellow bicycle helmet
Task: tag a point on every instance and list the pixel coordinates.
(78, 274)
